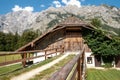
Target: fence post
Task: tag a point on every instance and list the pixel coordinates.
(83, 55)
(56, 51)
(45, 55)
(29, 56)
(62, 50)
(79, 69)
(24, 57)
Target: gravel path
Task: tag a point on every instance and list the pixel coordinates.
(32, 73)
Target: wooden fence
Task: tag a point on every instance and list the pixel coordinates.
(74, 70)
(26, 56)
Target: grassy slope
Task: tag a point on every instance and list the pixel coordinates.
(108, 74)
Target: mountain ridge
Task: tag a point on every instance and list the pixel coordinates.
(22, 20)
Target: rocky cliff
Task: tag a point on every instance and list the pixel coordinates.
(22, 20)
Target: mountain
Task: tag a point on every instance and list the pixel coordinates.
(17, 21)
(22, 20)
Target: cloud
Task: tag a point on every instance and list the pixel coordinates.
(57, 3)
(42, 5)
(18, 8)
(72, 2)
(28, 8)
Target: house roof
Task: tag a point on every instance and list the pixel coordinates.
(71, 21)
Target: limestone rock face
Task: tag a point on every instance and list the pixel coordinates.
(22, 20)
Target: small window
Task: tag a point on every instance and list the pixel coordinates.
(89, 60)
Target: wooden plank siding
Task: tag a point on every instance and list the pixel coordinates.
(69, 38)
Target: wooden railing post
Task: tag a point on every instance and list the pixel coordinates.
(29, 56)
(79, 69)
(56, 51)
(24, 57)
(83, 55)
(62, 50)
(45, 54)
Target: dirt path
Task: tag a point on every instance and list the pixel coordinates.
(32, 73)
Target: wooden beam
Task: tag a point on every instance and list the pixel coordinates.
(24, 57)
(45, 55)
(79, 69)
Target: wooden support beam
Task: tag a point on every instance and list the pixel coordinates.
(56, 51)
(29, 56)
(24, 56)
(45, 55)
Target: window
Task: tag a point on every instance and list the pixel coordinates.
(89, 60)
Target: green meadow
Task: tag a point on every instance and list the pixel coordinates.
(106, 74)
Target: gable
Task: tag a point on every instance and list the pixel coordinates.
(69, 23)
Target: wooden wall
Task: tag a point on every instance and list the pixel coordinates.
(71, 40)
(52, 40)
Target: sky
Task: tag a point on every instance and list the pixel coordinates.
(7, 6)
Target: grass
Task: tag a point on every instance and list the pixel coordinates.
(12, 57)
(107, 74)
(9, 58)
(7, 69)
(44, 75)
(18, 72)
